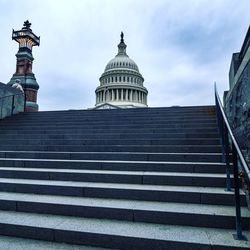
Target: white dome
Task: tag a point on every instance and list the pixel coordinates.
(121, 84)
(121, 62)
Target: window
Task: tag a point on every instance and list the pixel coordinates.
(119, 94)
(124, 94)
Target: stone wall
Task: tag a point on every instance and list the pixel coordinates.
(11, 101)
(237, 107)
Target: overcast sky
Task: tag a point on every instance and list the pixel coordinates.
(181, 47)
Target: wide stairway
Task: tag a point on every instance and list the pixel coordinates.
(145, 178)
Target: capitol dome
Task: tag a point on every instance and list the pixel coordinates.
(121, 84)
(121, 62)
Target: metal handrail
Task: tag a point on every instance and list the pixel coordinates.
(226, 132)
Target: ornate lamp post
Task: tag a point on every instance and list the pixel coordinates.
(24, 75)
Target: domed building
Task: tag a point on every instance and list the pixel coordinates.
(121, 84)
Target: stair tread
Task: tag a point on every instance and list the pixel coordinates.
(104, 152)
(114, 172)
(10, 243)
(111, 161)
(187, 208)
(208, 236)
(128, 186)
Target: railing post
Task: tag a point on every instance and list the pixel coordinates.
(225, 144)
(238, 235)
(227, 159)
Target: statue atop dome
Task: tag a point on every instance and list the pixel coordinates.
(122, 35)
(122, 46)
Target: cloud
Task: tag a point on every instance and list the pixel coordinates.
(181, 47)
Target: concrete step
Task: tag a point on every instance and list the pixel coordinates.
(156, 166)
(138, 111)
(116, 121)
(114, 136)
(127, 131)
(164, 193)
(47, 142)
(112, 176)
(153, 110)
(11, 243)
(115, 234)
(148, 119)
(184, 214)
(108, 127)
(111, 119)
(121, 156)
(116, 148)
(122, 115)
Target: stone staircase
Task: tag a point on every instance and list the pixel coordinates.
(148, 178)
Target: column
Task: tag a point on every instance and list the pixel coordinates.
(126, 94)
(110, 95)
(122, 94)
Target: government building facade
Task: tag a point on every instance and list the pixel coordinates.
(121, 84)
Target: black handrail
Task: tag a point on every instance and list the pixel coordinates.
(12, 102)
(226, 133)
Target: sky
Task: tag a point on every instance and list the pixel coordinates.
(181, 47)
